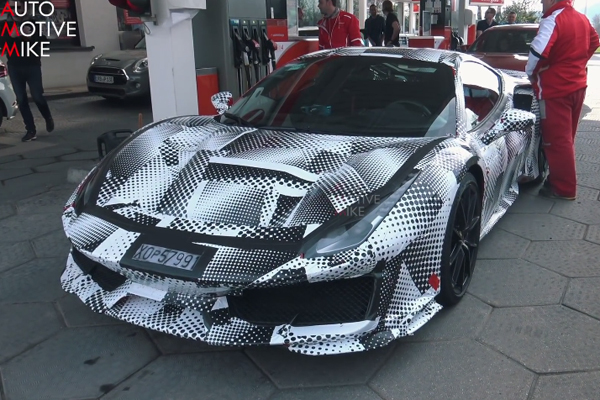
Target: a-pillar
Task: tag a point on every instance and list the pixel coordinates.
(171, 62)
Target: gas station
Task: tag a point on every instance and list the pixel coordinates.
(197, 48)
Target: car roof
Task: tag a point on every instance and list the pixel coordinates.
(447, 57)
(515, 27)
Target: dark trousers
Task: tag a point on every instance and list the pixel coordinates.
(31, 75)
(560, 119)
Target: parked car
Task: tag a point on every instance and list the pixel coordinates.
(120, 74)
(505, 46)
(8, 99)
(336, 206)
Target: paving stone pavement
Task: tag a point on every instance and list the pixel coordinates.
(528, 328)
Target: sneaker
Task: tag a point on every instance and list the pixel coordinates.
(49, 125)
(545, 191)
(29, 136)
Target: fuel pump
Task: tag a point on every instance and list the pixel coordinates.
(238, 51)
(268, 48)
(248, 52)
(265, 55)
(256, 52)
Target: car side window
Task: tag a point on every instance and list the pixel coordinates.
(481, 88)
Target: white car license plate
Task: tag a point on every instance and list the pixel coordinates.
(104, 79)
(167, 257)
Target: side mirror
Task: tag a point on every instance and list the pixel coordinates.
(511, 121)
(222, 101)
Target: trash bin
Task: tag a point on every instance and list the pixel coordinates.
(207, 84)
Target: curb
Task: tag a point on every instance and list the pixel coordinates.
(59, 96)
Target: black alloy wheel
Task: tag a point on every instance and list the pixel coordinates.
(461, 243)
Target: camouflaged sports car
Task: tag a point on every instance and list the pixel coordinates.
(336, 206)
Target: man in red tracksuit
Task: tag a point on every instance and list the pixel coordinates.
(338, 28)
(557, 63)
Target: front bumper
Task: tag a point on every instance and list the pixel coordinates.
(209, 319)
(126, 84)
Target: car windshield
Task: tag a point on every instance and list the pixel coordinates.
(353, 95)
(504, 41)
(141, 45)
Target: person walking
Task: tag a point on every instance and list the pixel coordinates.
(338, 28)
(374, 27)
(557, 69)
(392, 25)
(26, 70)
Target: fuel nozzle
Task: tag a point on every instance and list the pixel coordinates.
(270, 47)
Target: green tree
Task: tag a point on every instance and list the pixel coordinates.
(525, 10)
(596, 22)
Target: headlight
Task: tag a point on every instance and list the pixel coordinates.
(141, 65)
(95, 59)
(84, 191)
(352, 233)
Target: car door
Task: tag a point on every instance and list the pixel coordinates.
(485, 101)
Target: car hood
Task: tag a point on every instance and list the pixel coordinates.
(121, 58)
(199, 176)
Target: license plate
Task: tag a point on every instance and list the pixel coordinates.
(104, 79)
(167, 257)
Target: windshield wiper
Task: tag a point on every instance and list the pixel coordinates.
(278, 128)
(239, 119)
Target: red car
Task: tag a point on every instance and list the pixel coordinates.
(505, 46)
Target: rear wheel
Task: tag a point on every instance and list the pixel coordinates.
(461, 242)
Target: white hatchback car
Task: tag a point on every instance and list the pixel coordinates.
(8, 99)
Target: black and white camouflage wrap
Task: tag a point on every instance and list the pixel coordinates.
(253, 196)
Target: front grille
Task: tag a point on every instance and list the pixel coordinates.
(119, 75)
(106, 278)
(346, 300)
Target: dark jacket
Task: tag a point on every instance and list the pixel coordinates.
(374, 29)
(9, 44)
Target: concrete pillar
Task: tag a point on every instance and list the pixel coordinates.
(401, 7)
(411, 19)
(362, 12)
(171, 62)
(462, 27)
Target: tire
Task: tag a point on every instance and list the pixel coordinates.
(3, 113)
(465, 243)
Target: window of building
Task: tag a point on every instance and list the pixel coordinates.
(309, 14)
(482, 90)
(64, 11)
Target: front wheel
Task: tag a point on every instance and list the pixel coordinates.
(461, 242)
(542, 165)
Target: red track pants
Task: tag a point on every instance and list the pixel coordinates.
(560, 118)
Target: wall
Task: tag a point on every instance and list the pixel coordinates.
(212, 42)
(97, 23)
